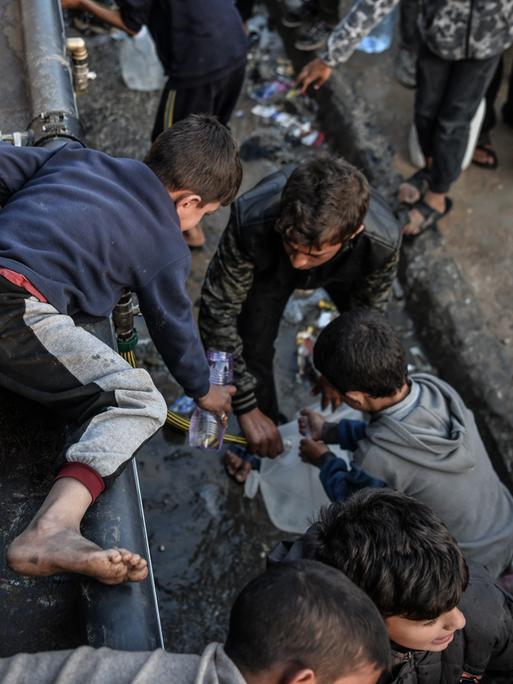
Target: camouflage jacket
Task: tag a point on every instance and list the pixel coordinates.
(452, 29)
(251, 252)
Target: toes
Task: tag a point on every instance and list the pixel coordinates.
(138, 574)
(114, 556)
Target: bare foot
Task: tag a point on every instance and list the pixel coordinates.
(237, 467)
(408, 193)
(414, 227)
(43, 550)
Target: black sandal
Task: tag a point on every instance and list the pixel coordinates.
(419, 180)
(429, 214)
(487, 149)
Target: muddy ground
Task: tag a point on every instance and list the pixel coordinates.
(206, 539)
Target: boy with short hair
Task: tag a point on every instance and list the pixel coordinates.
(297, 623)
(448, 623)
(77, 229)
(421, 439)
(315, 225)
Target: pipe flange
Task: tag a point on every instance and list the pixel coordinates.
(50, 125)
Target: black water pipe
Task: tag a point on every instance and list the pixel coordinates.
(53, 104)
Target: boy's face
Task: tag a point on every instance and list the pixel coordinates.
(303, 258)
(425, 635)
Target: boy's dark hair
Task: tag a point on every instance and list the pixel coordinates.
(324, 202)
(360, 351)
(198, 154)
(395, 549)
(306, 615)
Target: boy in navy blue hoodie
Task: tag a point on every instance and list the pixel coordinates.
(77, 229)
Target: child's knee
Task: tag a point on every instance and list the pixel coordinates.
(155, 403)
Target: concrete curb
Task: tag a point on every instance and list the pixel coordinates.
(447, 316)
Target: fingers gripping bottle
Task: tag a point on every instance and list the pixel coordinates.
(207, 430)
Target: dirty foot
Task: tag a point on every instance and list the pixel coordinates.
(47, 550)
(425, 213)
(408, 193)
(236, 467)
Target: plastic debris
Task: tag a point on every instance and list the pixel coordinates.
(183, 405)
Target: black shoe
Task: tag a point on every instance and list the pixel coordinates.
(294, 18)
(313, 38)
(405, 68)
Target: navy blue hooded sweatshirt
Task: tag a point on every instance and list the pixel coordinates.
(198, 41)
(83, 227)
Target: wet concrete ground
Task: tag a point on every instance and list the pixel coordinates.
(206, 539)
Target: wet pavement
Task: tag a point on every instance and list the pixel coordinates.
(207, 540)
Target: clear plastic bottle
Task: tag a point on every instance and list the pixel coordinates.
(206, 430)
(380, 38)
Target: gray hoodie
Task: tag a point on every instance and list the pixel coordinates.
(428, 446)
(87, 665)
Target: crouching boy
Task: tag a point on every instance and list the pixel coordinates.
(77, 229)
(297, 623)
(421, 439)
(448, 623)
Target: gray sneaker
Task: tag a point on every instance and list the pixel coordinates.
(405, 68)
(313, 38)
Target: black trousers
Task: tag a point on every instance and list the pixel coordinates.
(218, 98)
(258, 325)
(409, 35)
(447, 97)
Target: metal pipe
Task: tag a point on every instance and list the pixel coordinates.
(76, 46)
(53, 104)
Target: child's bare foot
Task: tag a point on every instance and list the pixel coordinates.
(236, 467)
(43, 550)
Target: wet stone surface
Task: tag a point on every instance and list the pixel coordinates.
(206, 539)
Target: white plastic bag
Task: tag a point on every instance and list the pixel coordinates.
(292, 490)
(140, 66)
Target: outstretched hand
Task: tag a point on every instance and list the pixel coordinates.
(312, 452)
(310, 424)
(218, 400)
(329, 395)
(314, 73)
(263, 436)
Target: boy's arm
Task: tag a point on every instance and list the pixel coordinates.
(346, 433)
(340, 482)
(17, 166)
(374, 290)
(359, 21)
(227, 282)
(130, 16)
(362, 17)
(167, 310)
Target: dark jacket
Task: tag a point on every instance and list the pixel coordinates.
(84, 227)
(250, 258)
(483, 648)
(452, 29)
(198, 41)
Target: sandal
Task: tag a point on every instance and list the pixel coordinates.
(429, 214)
(419, 180)
(493, 163)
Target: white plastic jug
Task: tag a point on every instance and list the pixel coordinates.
(140, 66)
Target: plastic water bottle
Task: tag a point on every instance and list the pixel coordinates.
(207, 430)
(380, 38)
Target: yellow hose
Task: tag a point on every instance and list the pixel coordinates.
(175, 420)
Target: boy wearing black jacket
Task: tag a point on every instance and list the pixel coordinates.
(448, 623)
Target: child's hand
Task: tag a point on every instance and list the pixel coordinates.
(311, 451)
(310, 424)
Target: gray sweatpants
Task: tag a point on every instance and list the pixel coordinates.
(45, 357)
